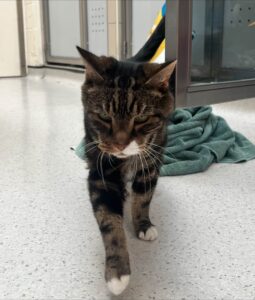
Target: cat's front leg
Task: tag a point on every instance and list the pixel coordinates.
(143, 188)
(107, 197)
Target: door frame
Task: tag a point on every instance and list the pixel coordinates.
(22, 53)
(126, 29)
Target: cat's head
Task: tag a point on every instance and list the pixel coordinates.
(126, 103)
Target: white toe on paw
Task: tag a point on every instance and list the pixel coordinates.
(117, 286)
(150, 235)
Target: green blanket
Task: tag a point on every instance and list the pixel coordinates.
(195, 139)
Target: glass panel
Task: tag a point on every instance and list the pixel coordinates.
(198, 25)
(64, 27)
(144, 13)
(97, 26)
(223, 47)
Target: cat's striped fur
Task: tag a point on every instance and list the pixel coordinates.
(126, 106)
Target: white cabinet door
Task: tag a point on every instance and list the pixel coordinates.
(10, 42)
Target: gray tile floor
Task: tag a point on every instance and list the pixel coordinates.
(50, 247)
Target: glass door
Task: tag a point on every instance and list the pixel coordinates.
(74, 22)
(223, 47)
(63, 31)
(218, 63)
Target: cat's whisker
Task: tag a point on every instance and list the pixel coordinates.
(151, 143)
(90, 149)
(154, 152)
(136, 165)
(156, 165)
(142, 169)
(110, 159)
(98, 157)
(164, 150)
(92, 143)
(148, 172)
(132, 163)
(155, 155)
(101, 167)
(152, 158)
(143, 156)
(158, 151)
(91, 146)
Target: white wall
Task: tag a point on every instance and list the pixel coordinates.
(33, 32)
(10, 64)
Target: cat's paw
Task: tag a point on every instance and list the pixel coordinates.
(150, 235)
(118, 285)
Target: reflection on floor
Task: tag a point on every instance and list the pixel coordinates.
(50, 245)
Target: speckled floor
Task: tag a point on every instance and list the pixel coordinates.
(50, 247)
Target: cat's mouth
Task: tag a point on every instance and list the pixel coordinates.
(120, 155)
(131, 149)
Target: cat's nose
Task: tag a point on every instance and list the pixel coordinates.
(121, 138)
(120, 147)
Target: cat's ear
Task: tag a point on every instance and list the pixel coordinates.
(92, 64)
(95, 66)
(160, 78)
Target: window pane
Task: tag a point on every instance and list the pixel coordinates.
(223, 47)
(238, 37)
(64, 27)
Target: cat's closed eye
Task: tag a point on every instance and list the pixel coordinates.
(104, 116)
(141, 118)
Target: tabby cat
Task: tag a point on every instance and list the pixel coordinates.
(126, 108)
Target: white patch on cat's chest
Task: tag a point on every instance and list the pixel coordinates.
(129, 175)
(131, 149)
(130, 170)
